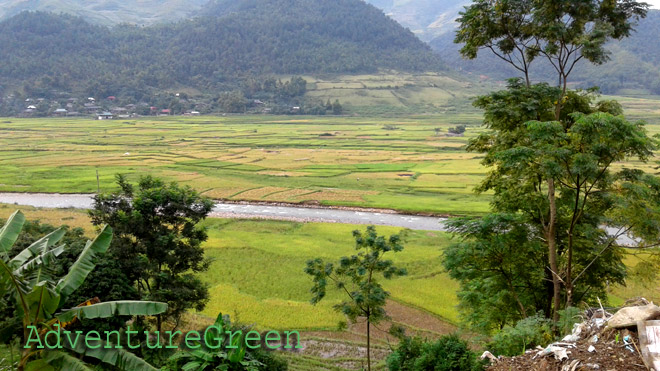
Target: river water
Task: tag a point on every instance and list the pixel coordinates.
(231, 210)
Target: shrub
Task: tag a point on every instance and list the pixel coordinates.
(527, 333)
(449, 353)
(567, 318)
(460, 129)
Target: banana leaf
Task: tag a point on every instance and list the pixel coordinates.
(42, 303)
(85, 263)
(119, 358)
(64, 361)
(10, 231)
(114, 308)
(37, 248)
(45, 258)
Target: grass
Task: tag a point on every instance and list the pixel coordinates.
(273, 255)
(257, 270)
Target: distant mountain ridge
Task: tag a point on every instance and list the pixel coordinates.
(108, 12)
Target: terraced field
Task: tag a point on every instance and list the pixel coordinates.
(409, 164)
(402, 164)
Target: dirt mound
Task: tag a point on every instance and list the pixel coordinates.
(594, 344)
(607, 356)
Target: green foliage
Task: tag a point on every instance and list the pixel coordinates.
(355, 275)
(106, 282)
(337, 108)
(526, 334)
(237, 359)
(551, 154)
(499, 265)
(567, 318)
(460, 129)
(233, 102)
(633, 62)
(158, 243)
(561, 31)
(38, 297)
(449, 353)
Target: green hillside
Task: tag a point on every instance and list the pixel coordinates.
(46, 54)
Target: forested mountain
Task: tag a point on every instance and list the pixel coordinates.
(108, 12)
(634, 64)
(230, 41)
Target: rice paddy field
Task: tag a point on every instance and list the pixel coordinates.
(408, 164)
(402, 164)
(257, 270)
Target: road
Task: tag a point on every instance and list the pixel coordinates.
(232, 210)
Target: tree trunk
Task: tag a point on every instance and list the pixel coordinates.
(552, 252)
(368, 344)
(569, 273)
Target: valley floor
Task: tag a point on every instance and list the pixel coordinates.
(257, 276)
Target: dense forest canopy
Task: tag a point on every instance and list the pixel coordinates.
(46, 53)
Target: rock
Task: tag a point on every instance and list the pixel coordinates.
(490, 357)
(591, 349)
(628, 317)
(636, 302)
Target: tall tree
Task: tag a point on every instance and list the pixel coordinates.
(356, 277)
(157, 240)
(564, 32)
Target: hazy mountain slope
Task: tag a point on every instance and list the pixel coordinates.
(428, 19)
(108, 12)
(635, 62)
(230, 43)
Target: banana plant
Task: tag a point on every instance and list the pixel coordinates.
(236, 359)
(39, 298)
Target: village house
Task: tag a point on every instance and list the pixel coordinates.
(105, 116)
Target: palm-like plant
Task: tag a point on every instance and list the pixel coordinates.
(39, 296)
